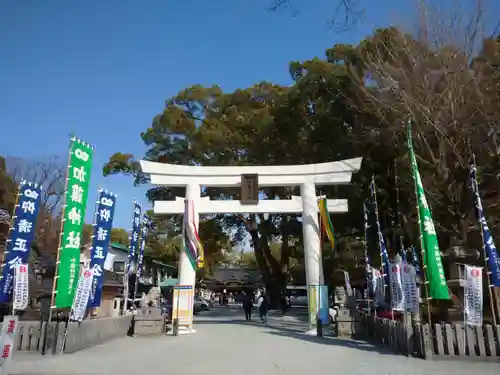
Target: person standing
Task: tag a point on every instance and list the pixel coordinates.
(263, 304)
(247, 306)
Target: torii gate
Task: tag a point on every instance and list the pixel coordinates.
(306, 176)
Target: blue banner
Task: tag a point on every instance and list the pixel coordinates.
(103, 224)
(20, 236)
(490, 250)
(134, 236)
(383, 249)
(140, 259)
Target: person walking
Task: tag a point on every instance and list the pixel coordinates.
(247, 306)
(263, 304)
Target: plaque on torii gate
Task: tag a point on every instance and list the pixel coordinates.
(249, 189)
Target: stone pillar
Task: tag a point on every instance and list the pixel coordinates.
(187, 275)
(312, 241)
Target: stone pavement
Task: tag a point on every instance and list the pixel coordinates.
(225, 344)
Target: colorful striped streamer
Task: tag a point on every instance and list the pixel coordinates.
(326, 223)
(194, 247)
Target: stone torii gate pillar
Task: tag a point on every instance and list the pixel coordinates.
(305, 176)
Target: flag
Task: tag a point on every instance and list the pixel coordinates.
(403, 256)
(384, 256)
(415, 260)
(438, 288)
(490, 250)
(326, 223)
(366, 213)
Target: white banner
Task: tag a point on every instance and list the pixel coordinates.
(397, 295)
(473, 292)
(10, 328)
(82, 296)
(21, 287)
(378, 287)
(348, 287)
(410, 289)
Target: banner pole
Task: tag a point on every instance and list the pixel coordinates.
(94, 225)
(487, 272)
(127, 265)
(11, 228)
(58, 254)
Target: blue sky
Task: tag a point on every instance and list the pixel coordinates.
(103, 69)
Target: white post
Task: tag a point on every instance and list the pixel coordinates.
(187, 275)
(312, 242)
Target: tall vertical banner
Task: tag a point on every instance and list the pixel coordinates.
(396, 283)
(144, 235)
(384, 256)
(378, 287)
(438, 288)
(473, 293)
(410, 289)
(134, 241)
(21, 236)
(103, 224)
(82, 296)
(490, 250)
(134, 238)
(78, 178)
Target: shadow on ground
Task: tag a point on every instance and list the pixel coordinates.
(296, 330)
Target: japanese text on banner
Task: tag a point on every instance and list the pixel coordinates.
(398, 302)
(20, 237)
(21, 285)
(78, 179)
(82, 296)
(140, 259)
(10, 328)
(473, 293)
(105, 211)
(410, 290)
(134, 239)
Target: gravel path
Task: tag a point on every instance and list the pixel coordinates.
(225, 344)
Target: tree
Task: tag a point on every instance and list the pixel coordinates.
(48, 172)
(118, 235)
(345, 13)
(263, 124)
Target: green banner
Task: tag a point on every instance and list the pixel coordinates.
(80, 165)
(438, 288)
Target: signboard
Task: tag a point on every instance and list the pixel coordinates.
(318, 304)
(249, 188)
(182, 307)
(10, 327)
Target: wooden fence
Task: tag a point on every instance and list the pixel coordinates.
(33, 336)
(441, 341)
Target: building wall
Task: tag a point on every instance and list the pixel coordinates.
(108, 306)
